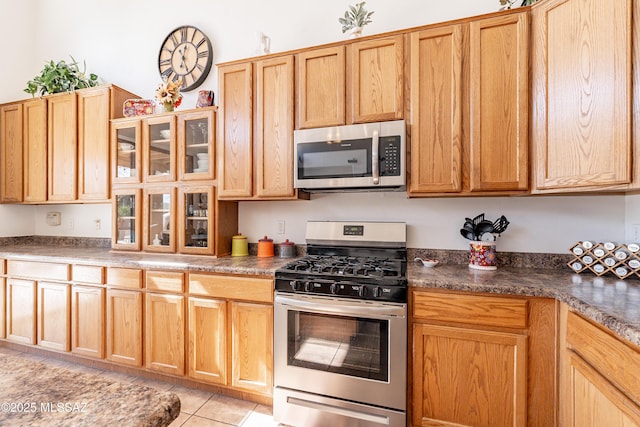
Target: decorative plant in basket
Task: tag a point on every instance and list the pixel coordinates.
(355, 18)
(61, 76)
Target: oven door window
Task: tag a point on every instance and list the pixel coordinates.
(346, 159)
(353, 346)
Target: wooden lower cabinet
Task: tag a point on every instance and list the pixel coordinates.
(482, 360)
(231, 331)
(252, 346)
(598, 379)
(164, 340)
(54, 316)
(124, 326)
(459, 366)
(208, 340)
(88, 321)
(21, 311)
(3, 312)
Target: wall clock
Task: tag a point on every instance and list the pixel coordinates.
(186, 53)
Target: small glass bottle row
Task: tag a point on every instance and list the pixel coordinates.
(602, 258)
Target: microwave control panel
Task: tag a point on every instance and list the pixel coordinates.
(389, 149)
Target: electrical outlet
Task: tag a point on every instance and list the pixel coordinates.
(71, 224)
(635, 233)
(98, 224)
(280, 226)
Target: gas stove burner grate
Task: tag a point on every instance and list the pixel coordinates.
(347, 266)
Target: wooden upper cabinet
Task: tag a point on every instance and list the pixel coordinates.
(235, 131)
(11, 153)
(436, 110)
(582, 94)
(93, 144)
(62, 147)
(499, 103)
(376, 80)
(321, 87)
(35, 150)
(274, 127)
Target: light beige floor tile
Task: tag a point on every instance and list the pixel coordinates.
(182, 418)
(261, 416)
(226, 409)
(86, 370)
(5, 350)
(190, 399)
(195, 421)
(147, 382)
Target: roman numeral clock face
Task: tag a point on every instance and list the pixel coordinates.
(186, 53)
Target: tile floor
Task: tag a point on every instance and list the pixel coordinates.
(197, 408)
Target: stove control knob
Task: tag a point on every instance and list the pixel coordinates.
(377, 292)
(308, 286)
(295, 285)
(333, 288)
(362, 292)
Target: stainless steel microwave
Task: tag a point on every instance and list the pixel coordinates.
(366, 156)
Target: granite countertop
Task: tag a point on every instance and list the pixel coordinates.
(248, 265)
(608, 301)
(37, 395)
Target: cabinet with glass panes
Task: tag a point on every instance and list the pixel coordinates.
(126, 214)
(166, 164)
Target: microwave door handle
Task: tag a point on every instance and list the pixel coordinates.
(375, 162)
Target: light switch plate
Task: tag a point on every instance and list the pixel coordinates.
(53, 218)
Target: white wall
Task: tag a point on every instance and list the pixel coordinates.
(119, 40)
(538, 224)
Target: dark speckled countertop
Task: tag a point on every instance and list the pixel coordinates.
(608, 301)
(612, 303)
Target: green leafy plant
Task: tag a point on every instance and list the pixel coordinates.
(61, 77)
(506, 4)
(355, 16)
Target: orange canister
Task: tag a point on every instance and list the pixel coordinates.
(265, 247)
(239, 245)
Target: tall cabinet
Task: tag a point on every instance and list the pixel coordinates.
(469, 107)
(582, 94)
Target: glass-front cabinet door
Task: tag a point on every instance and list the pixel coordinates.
(126, 219)
(159, 219)
(196, 136)
(196, 220)
(125, 151)
(159, 149)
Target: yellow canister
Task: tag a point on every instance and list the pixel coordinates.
(239, 245)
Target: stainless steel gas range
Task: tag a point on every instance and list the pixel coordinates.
(340, 328)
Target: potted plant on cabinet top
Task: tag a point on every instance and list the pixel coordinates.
(506, 4)
(61, 77)
(355, 18)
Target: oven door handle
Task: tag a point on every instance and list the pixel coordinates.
(333, 306)
(375, 158)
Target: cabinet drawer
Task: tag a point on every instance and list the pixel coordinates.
(87, 274)
(130, 278)
(612, 358)
(2, 266)
(471, 309)
(170, 281)
(38, 270)
(231, 287)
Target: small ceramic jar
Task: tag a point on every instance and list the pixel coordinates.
(239, 245)
(265, 247)
(287, 249)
